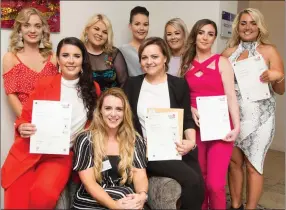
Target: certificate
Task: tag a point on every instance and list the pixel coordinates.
(214, 117)
(53, 123)
(164, 127)
(247, 73)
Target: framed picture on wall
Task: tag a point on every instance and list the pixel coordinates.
(49, 8)
(226, 23)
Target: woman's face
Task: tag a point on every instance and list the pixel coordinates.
(152, 60)
(139, 26)
(70, 61)
(97, 34)
(112, 111)
(247, 29)
(206, 37)
(175, 38)
(32, 31)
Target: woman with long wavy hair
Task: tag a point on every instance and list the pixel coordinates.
(35, 181)
(110, 158)
(30, 57)
(250, 38)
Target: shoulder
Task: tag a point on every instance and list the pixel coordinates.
(267, 50)
(83, 139)
(228, 51)
(97, 88)
(45, 82)
(9, 61)
(53, 59)
(136, 79)
(177, 81)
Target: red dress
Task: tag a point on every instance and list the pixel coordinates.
(21, 80)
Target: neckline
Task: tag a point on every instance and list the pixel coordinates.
(155, 85)
(69, 83)
(206, 59)
(32, 70)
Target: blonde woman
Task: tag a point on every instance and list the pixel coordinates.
(249, 39)
(175, 35)
(110, 158)
(30, 57)
(107, 62)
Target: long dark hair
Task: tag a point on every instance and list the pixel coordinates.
(190, 52)
(86, 85)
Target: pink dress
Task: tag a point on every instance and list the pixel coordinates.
(214, 156)
(21, 80)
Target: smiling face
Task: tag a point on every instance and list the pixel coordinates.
(205, 37)
(247, 28)
(32, 31)
(97, 34)
(70, 61)
(152, 60)
(175, 38)
(139, 26)
(112, 111)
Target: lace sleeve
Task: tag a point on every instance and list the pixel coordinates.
(121, 68)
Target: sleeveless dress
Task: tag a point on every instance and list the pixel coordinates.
(257, 118)
(21, 80)
(84, 159)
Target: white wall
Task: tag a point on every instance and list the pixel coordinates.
(74, 15)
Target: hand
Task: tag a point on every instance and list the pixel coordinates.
(232, 135)
(132, 201)
(185, 146)
(195, 115)
(121, 203)
(26, 130)
(271, 76)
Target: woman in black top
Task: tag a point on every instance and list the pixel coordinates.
(149, 91)
(110, 158)
(107, 62)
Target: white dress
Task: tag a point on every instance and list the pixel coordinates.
(257, 118)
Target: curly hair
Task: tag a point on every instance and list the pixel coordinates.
(86, 85)
(22, 18)
(126, 136)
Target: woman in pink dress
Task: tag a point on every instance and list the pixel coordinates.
(30, 57)
(210, 75)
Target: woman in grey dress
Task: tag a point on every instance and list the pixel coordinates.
(249, 39)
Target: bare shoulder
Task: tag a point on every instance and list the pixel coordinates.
(228, 51)
(9, 61)
(267, 49)
(54, 59)
(224, 64)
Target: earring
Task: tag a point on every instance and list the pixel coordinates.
(20, 43)
(41, 46)
(85, 38)
(59, 70)
(81, 71)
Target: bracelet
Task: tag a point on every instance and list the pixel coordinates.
(195, 146)
(280, 80)
(145, 194)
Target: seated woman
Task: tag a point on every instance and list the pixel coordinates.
(35, 181)
(107, 62)
(157, 89)
(110, 158)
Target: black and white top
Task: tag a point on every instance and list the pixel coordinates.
(83, 159)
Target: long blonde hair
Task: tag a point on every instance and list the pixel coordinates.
(177, 23)
(23, 17)
(126, 136)
(258, 18)
(108, 46)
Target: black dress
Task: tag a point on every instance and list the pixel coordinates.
(109, 69)
(83, 159)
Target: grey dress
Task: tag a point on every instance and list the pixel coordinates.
(257, 118)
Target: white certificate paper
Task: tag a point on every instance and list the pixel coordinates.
(247, 73)
(162, 131)
(214, 117)
(53, 123)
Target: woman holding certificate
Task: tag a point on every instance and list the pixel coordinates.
(210, 76)
(248, 42)
(110, 158)
(157, 89)
(35, 180)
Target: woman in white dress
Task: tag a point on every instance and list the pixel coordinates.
(249, 38)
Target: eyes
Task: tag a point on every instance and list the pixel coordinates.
(109, 108)
(139, 23)
(177, 33)
(28, 25)
(98, 29)
(211, 34)
(144, 57)
(66, 55)
(243, 23)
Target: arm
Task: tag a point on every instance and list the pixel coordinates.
(140, 182)
(227, 76)
(121, 68)
(9, 62)
(95, 190)
(275, 74)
